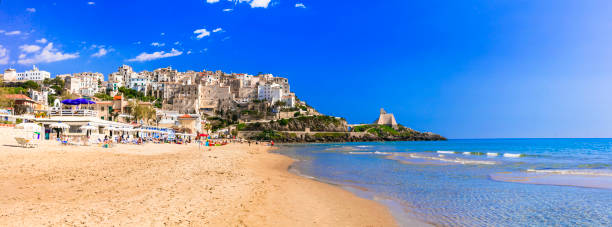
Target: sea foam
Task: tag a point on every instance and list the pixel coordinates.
(510, 155)
(444, 159)
(588, 172)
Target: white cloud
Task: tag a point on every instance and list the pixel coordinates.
(201, 33)
(163, 33)
(218, 29)
(2, 31)
(4, 55)
(47, 55)
(253, 3)
(29, 48)
(300, 5)
(189, 52)
(43, 41)
(156, 44)
(212, 1)
(31, 10)
(177, 43)
(260, 3)
(91, 3)
(13, 33)
(101, 52)
(137, 42)
(227, 10)
(142, 57)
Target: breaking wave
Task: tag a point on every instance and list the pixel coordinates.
(587, 172)
(444, 159)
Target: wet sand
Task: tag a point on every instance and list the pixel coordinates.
(161, 184)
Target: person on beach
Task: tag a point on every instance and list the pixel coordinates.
(271, 143)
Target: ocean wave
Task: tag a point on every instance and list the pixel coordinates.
(445, 152)
(510, 155)
(344, 148)
(375, 152)
(492, 154)
(473, 153)
(442, 158)
(588, 172)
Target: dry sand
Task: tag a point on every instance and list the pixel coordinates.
(176, 185)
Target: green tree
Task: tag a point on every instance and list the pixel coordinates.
(103, 96)
(5, 102)
(30, 85)
(47, 82)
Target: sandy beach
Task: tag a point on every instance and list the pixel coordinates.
(162, 184)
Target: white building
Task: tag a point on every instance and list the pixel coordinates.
(10, 75)
(39, 96)
(115, 81)
(121, 78)
(89, 83)
(139, 83)
(270, 92)
(33, 75)
(73, 84)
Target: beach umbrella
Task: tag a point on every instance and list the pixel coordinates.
(59, 125)
(29, 127)
(88, 127)
(70, 102)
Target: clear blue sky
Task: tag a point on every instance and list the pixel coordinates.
(464, 69)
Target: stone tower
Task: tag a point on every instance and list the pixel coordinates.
(386, 119)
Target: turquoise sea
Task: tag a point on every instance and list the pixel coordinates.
(480, 182)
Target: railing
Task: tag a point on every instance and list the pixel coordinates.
(73, 113)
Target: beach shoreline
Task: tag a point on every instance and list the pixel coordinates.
(164, 184)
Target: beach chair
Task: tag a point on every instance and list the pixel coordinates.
(26, 143)
(21, 141)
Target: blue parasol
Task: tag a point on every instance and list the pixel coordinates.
(69, 102)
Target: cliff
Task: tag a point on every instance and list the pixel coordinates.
(314, 123)
(329, 129)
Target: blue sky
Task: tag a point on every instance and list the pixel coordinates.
(464, 69)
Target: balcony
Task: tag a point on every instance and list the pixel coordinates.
(72, 113)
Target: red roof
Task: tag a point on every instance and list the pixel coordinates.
(18, 97)
(185, 116)
(117, 97)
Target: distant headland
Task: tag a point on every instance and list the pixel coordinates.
(320, 128)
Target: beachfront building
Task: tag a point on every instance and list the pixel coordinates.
(189, 123)
(22, 104)
(34, 75)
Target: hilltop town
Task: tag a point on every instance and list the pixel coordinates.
(211, 102)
